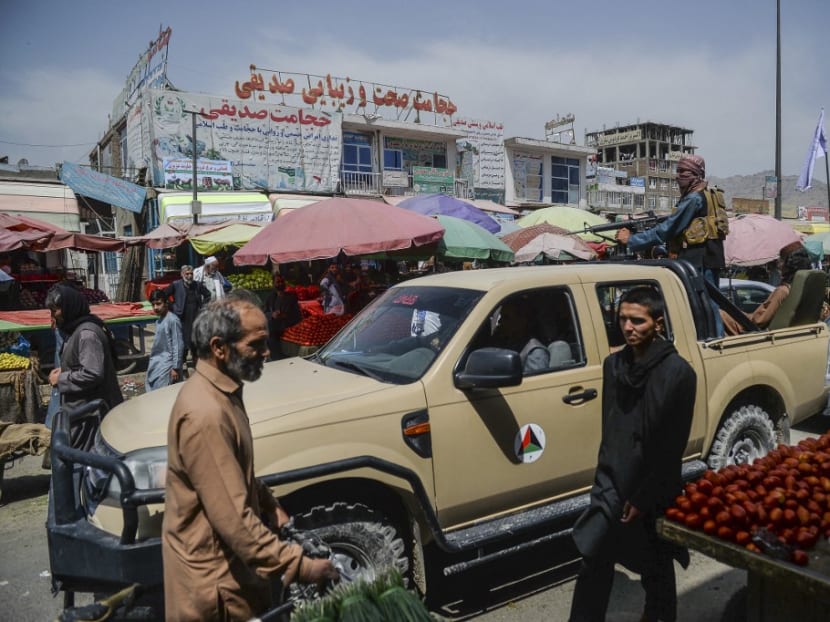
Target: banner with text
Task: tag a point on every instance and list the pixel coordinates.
(210, 174)
(485, 141)
(271, 147)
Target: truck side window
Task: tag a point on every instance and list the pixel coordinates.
(540, 325)
(609, 300)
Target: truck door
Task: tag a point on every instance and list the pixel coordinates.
(495, 450)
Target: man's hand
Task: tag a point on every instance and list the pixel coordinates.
(174, 375)
(623, 235)
(629, 513)
(317, 571)
(54, 375)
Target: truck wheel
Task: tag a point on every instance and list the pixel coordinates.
(362, 542)
(746, 434)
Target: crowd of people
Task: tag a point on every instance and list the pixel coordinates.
(219, 538)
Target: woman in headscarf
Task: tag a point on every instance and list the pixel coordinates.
(87, 369)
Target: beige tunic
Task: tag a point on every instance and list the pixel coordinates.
(762, 315)
(218, 554)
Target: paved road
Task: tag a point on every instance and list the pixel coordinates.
(530, 587)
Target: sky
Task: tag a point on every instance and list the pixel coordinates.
(708, 65)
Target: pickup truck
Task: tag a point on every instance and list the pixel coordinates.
(418, 425)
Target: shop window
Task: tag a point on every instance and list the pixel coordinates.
(439, 160)
(392, 160)
(357, 153)
(565, 180)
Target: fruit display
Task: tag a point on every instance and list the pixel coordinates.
(305, 292)
(94, 296)
(316, 330)
(9, 361)
(258, 278)
(779, 505)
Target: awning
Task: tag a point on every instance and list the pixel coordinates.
(233, 235)
(54, 204)
(106, 188)
(175, 207)
(287, 202)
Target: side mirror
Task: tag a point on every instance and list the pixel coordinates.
(490, 368)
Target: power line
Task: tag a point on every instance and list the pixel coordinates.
(8, 142)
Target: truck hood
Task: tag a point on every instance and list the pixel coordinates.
(290, 393)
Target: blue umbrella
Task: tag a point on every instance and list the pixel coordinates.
(443, 205)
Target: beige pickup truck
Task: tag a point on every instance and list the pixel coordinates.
(427, 423)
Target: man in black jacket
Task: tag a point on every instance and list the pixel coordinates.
(647, 406)
(188, 298)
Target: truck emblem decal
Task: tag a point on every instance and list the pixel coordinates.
(530, 443)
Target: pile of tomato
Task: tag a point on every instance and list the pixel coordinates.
(305, 292)
(784, 495)
(316, 330)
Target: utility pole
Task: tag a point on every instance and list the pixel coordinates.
(195, 204)
(778, 109)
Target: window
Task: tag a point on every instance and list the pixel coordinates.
(357, 152)
(609, 295)
(392, 160)
(540, 325)
(564, 185)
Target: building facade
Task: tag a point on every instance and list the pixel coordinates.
(648, 153)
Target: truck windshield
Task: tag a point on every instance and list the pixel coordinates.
(397, 337)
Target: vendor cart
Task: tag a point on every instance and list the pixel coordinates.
(777, 591)
(127, 321)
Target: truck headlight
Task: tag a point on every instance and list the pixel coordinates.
(148, 467)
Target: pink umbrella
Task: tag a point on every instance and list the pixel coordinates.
(327, 228)
(756, 239)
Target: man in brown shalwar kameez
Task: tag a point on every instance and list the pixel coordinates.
(218, 545)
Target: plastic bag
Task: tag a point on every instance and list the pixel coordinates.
(22, 347)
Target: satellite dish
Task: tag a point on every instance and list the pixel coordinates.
(22, 162)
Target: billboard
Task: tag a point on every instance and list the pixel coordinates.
(268, 147)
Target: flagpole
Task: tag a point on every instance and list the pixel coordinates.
(827, 173)
(778, 110)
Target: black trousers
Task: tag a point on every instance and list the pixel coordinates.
(596, 578)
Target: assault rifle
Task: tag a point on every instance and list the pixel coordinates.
(636, 225)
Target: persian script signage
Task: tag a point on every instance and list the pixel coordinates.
(268, 146)
(620, 137)
(346, 95)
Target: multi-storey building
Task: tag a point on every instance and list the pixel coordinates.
(648, 152)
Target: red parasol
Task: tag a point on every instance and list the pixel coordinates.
(327, 228)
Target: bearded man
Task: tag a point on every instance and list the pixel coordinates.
(219, 545)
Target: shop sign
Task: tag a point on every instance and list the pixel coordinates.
(620, 137)
(427, 180)
(485, 143)
(268, 146)
(345, 95)
(89, 183)
(638, 182)
(149, 72)
(210, 174)
(395, 179)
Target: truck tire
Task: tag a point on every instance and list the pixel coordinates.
(746, 433)
(363, 542)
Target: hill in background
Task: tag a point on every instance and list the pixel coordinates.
(751, 187)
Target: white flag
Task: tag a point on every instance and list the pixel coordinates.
(818, 149)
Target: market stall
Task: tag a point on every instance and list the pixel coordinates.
(127, 320)
(777, 591)
(770, 517)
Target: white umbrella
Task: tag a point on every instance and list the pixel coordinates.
(553, 246)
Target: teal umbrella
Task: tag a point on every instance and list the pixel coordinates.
(466, 240)
(818, 244)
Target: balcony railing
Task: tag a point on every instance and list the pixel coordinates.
(371, 184)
